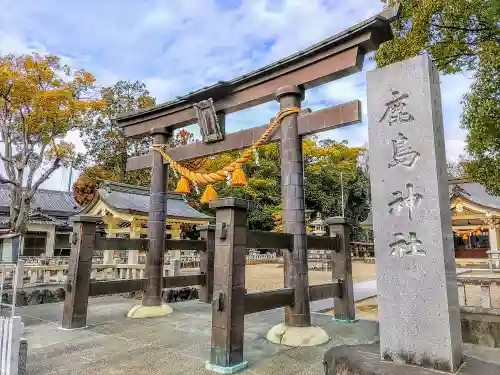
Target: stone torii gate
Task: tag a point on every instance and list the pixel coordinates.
(285, 81)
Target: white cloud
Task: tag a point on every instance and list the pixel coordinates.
(179, 46)
(454, 149)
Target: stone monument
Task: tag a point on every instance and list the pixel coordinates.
(416, 274)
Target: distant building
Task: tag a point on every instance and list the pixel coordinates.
(123, 208)
(475, 219)
(49, 227)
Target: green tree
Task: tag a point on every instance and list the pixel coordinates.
(323, 160)
(459, 35)
(481, 118)
(105, 141)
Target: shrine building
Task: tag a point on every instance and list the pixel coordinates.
(475, 219)
(123, 208)
(124, 211)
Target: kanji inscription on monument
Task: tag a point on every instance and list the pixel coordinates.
(416, 275)
(401, 247)
(410, 201)
(402, 153)
(396, 109)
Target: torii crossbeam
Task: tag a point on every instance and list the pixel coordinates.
(286, 81)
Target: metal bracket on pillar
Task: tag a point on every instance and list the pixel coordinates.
(223, 230)
(219, 301)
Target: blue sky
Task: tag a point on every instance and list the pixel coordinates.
(180, 45)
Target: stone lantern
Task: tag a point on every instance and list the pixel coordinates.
(319, 226)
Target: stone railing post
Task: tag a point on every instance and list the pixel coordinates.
(486, 294)
(80, 265)
(207, 233)
(344, 307)
(228, 310)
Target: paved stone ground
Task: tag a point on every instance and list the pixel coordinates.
(178, 344)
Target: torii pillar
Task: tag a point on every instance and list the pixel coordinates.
(297, 329)
(152, 305)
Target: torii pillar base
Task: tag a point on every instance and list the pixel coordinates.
(141, 311)
(297, 336)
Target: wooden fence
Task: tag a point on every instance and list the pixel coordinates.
(222, 250)
(79, 285)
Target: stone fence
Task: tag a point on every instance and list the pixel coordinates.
(479, 298)
(46, 271)
(479, 291)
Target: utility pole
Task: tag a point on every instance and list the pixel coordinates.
(70, 176)
(342, 193)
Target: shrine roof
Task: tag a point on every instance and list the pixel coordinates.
(471, 191)
(50, 202)
(38, 218)
(135, 199)
(380, 23)
(475, 193)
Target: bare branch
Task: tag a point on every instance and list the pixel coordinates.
(472, 30)
(4, 180)
(34, 168)
(440, 63)
(7, 159)
(44, 177)
(9, 166)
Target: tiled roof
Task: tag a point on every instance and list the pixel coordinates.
(52, 202)
(475, 193)
(471, 191)
(38, 218)
(136, 199)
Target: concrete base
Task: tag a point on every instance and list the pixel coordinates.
(344, 321)
(365, 360)
(297, 336)
(140, 311)
(72, 329)
(226, 370)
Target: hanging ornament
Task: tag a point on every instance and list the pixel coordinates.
(256, 156)
(232, 172)
(238, 177)
(183, 186)
(209, 194)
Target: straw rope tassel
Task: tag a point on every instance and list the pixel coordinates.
(237, 175)
(209, 194)
(183, 186)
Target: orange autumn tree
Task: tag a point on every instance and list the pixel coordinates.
(41, 100)
(85, 186)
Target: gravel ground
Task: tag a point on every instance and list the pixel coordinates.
(261, 277)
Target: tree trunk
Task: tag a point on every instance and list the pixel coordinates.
(19, 210)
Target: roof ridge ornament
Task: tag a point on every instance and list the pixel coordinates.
(458, 190)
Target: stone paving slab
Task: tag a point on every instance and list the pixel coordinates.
(365, 360)
(177, 344)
